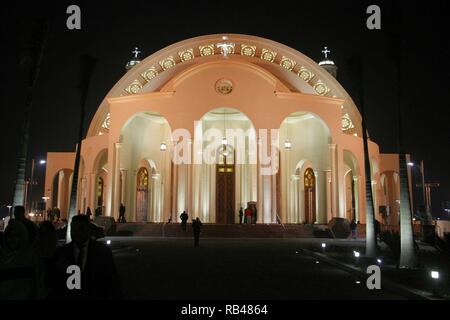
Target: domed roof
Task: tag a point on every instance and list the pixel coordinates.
(298, 72)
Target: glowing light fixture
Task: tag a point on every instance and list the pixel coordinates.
(434, 274)
(288, 144)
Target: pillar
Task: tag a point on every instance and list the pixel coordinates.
(115, 181)
(334, 181)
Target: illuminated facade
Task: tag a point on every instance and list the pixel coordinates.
(300, 159)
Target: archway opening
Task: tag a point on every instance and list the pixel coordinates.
(304, 141)
(225, 179)
(351, 186)
(145, 168)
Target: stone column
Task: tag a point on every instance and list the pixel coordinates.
(267, 179)
(318, 218)
(334, 181)
(116, 180)
(328, 194)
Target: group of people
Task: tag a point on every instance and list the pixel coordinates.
(196, 226)
(33, 266)
(249, 215)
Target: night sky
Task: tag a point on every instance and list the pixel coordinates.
(110, 30)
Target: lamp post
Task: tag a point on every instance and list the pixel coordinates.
(9, 211)
(29, 184)
(45, 210)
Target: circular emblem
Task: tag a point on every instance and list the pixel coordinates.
(224, 86)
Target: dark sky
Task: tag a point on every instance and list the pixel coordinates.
(110, 30)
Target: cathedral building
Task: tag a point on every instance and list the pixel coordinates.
(219, 122)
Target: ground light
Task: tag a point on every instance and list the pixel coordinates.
(379, 261)
(356, 254)
(324, 245)
(435, 279)
(108, 242)
(434, 274)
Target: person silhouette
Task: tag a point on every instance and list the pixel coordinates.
(122, 214)
(241, 215)
(99, 278)
(184, 218)
(196, 227)
(32, 230)
(20, 266)
(89, 213)
(353, 228)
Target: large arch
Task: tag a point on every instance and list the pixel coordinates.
(224, 165)
(294, 69)
(61, 189)
(141, 140)
(352, 182)
(304, 141)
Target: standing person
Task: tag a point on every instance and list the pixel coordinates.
(254, 214)
(99, 278)
(248, 215)
(353, 228)
(196, 227)
(32, 230)
(184, 218)
(241, 215)
(89, 213)
(122, 214)
(21, 270)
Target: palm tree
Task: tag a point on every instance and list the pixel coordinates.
(371, 243)
(407, 254)
(30, 61)
(88, 65)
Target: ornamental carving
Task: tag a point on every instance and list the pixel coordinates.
(186, 55)
(207, 50)
(268, 55)
(247, 50)
(167, 63)
(287, 63)
(149, 74)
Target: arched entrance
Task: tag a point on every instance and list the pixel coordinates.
(304, 141)
(225, 177)
(225, 186)
(310, 196)
(142, 195)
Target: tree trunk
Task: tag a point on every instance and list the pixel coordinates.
(87, 71)
(371, 241)
(31, 60)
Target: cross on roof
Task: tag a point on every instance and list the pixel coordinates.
(325, 51)
(136, 52)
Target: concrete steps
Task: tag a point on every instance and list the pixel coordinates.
(219, 230)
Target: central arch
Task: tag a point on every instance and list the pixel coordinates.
(225, 176)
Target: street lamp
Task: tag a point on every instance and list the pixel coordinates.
(9, 211)
(30, 183)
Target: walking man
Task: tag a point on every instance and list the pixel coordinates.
(196, 227)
